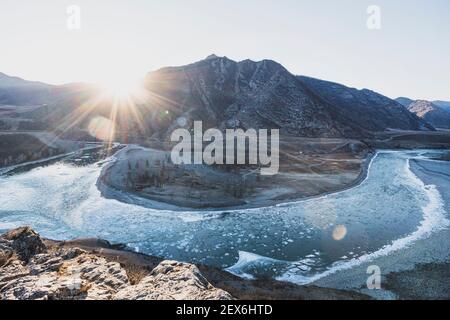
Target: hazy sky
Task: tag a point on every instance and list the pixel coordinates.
(327, 39)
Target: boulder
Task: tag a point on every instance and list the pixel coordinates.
(24, 242)
(172, 280)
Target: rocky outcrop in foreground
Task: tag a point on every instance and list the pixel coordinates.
(35, 268)
(29, 269)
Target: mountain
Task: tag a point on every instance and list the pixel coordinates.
(17, 91)
(369, 109)
(31, 105)
(404, 101)
(263, 94)
(443, 104)
(11, 82)
(247, 94)
(437, 113)
(431, 113)
(222, 93)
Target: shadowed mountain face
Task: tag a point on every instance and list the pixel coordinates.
(369, 109)
(30, 105)
(228, 94)
(404, 101)
(264, 94)
(443, 104)
(431, 113)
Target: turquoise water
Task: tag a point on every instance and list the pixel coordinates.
(296, 241)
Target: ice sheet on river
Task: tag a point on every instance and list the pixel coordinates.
(297, 241)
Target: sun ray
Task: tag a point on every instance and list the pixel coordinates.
(124, 105)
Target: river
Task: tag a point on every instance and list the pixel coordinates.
(299, 242)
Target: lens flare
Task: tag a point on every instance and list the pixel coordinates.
(339, 233)
(101, 128)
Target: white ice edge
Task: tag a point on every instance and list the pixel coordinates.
(433, 220)
(189, 215)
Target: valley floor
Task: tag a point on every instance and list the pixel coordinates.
(308, 168)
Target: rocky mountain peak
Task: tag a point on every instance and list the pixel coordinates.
(212, 56)
(264, 94)
(431, 113)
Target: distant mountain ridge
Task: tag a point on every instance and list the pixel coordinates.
(17, 91)
(227, 94)
(429, 111)
(404, 101)
(369, 109)
(7, 81)
(443, 104)
(251, 94)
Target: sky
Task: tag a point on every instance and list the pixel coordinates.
(327, 39)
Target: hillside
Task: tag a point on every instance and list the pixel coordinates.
(16, 91)
(222, 93)
(263, 94)
(431, 113)
(436, 113)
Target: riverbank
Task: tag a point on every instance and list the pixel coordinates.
(308, 168)
(419, 270)
(92, 269)
(28, 149)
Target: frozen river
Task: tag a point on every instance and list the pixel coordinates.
(299, 241)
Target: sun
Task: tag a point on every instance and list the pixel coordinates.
(122, 88)
(124, 99)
